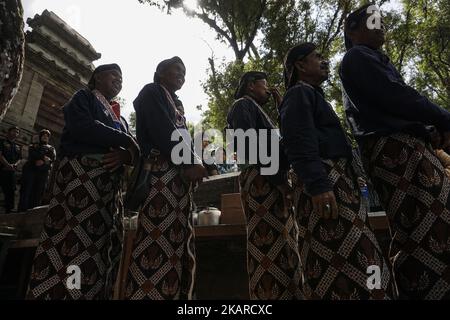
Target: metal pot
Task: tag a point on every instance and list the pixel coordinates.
(209, 217)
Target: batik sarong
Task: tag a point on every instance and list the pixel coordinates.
(163, 258)
(339, 256)
(80, 246)
(414, 191)
(273, 262)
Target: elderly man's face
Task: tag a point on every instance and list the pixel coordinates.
(374, 35)
(314, 66)
(259, 90)
(45, 138)
(109, 83)
(370, 33)
(174, 76)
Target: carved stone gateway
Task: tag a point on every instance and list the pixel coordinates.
(58, 62)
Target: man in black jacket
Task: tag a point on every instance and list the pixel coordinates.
(336, 244)
(35, 172)
(394, 126)
(82, 231)
(271, 225)
(163, 256)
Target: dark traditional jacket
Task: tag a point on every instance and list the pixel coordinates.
(89, 127)
(39, 151)
(246, 114)
(311, 132)
(378, 102)
(157, 116)
(10, 150)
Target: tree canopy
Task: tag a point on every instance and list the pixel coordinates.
(261, 31)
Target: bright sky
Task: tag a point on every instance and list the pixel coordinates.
(137, 37)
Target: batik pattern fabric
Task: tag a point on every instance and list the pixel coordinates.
(414, 191)
(163, 257)
(339, 255)
(273, 261)
(82, 234)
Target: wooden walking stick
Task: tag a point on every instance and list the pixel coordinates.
(136, 193)
(130, 226)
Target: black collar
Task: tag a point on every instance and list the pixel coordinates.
(384, 58)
